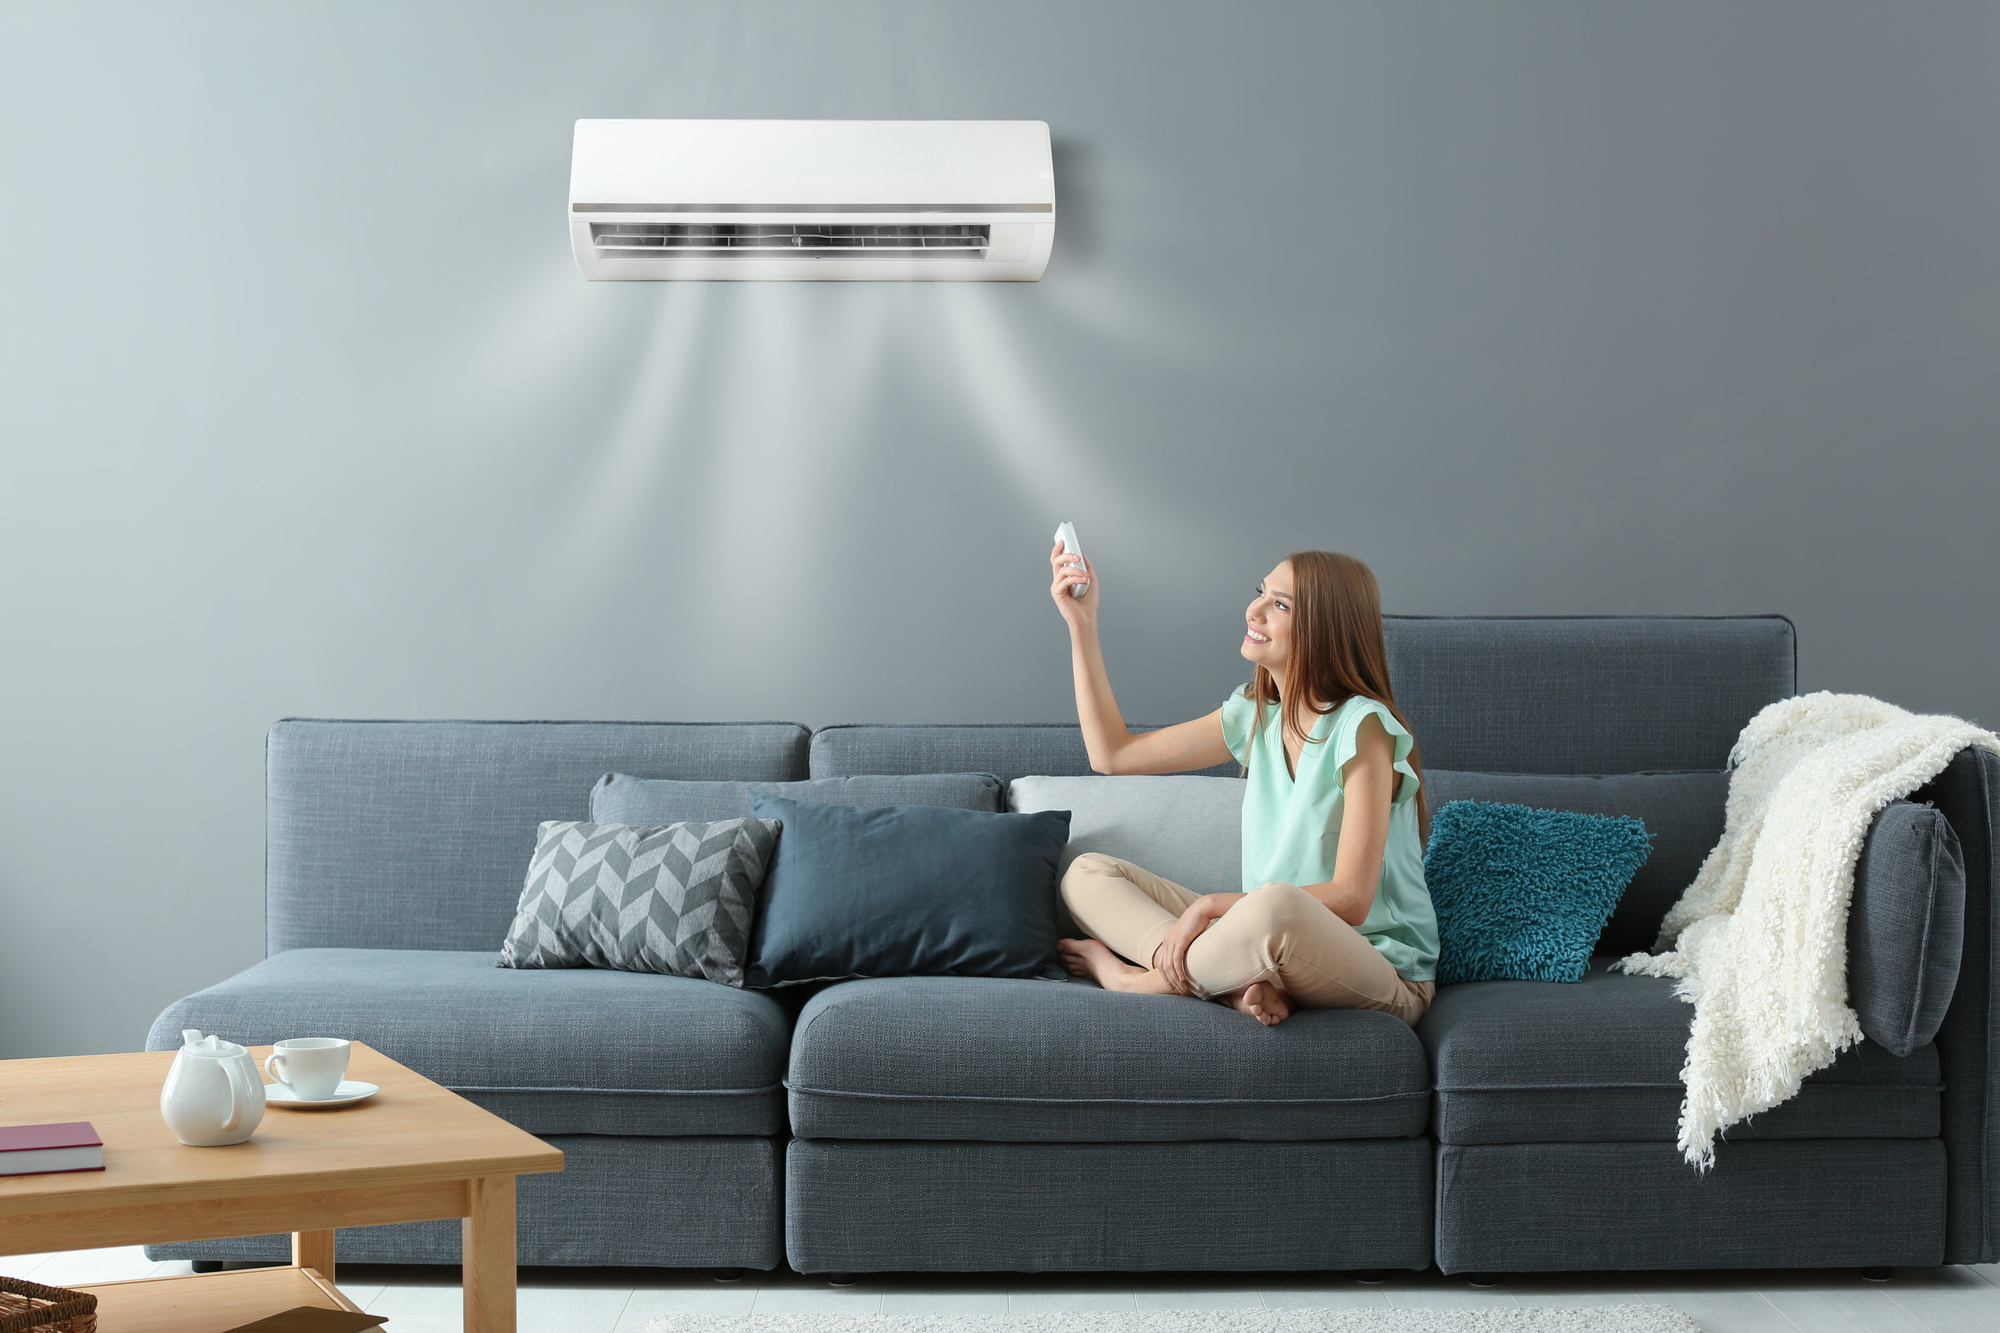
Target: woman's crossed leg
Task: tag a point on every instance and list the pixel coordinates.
(1274, 950)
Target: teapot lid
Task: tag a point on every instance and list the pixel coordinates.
(193, 1043)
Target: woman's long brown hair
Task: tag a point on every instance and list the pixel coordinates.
(1337, 652)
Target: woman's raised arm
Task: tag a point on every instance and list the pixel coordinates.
(1112, 746)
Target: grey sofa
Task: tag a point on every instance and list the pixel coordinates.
(963, 1124)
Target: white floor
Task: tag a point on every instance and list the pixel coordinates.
(621, 1300)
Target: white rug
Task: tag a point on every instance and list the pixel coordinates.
(1575, 1319)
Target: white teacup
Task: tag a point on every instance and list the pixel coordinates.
(310, 1067)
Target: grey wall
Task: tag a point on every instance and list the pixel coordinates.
(1542, 307)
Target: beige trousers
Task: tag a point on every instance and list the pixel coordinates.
(1280, 934)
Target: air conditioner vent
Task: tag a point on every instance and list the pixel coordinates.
(752, 240)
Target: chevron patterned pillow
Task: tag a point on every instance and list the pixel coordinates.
(677, 898)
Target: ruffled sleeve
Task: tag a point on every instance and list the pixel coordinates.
(1239, 718)
(1346, 743)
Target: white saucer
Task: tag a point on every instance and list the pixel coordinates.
(278, 1094)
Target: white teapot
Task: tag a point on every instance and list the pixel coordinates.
(213, 1096)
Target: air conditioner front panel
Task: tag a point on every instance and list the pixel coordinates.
(780, 163)
(830, 200)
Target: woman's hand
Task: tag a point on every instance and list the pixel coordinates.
(1080, 612)
(1170, 959)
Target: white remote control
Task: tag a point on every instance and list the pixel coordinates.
(1066, 534)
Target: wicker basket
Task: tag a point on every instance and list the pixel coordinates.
(26, 1307)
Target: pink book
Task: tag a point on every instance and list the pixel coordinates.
(27, 1150)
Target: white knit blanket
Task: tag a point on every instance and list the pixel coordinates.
(1759, 940)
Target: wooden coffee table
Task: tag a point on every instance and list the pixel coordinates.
(413, 1153)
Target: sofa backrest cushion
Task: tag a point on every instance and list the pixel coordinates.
(1008, 750)
(1585, 694)
(620, 798)
(1493, 694)
(1683, 812)
(416, 835)
(1906, 926)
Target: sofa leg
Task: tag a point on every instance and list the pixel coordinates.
(206, 1265)
(1482, 1279)
(841, 1279)
(728, 1275)
(1875, 1275)
(1371, 1275)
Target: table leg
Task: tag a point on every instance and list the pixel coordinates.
(489, 1255)
(314, 1249)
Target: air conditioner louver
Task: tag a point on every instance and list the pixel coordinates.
(722, 240)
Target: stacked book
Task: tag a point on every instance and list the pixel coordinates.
(27, 1150)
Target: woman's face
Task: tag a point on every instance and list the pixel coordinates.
(1267, 637)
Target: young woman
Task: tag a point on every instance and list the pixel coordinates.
(1334, 912)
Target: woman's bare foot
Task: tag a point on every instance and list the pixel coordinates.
(1266, 1003)
(1090, 958)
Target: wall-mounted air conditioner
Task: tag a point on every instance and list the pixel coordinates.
(813, 199)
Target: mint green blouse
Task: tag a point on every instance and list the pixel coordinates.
(1291, 828)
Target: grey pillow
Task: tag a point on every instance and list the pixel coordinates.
(619, 798)
(1184, 828)
(1905, 926)
(677, 899)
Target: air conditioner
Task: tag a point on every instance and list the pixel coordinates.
(853, 200)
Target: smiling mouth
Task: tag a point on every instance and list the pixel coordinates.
(1255, 637)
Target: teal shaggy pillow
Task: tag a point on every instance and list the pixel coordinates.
(1522, 893)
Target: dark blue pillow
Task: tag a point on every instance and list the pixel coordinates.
(905, 891)
(1522, 893)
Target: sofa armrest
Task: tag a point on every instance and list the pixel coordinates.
(1967, 794)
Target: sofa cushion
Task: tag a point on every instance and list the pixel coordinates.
(1906, 926)
(619, 798)
(1184, 828)
(1600, 1061)
(966, 1058)
(1683, 812)
(556, 1052)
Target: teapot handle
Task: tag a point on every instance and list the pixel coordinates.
(239, 1092)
